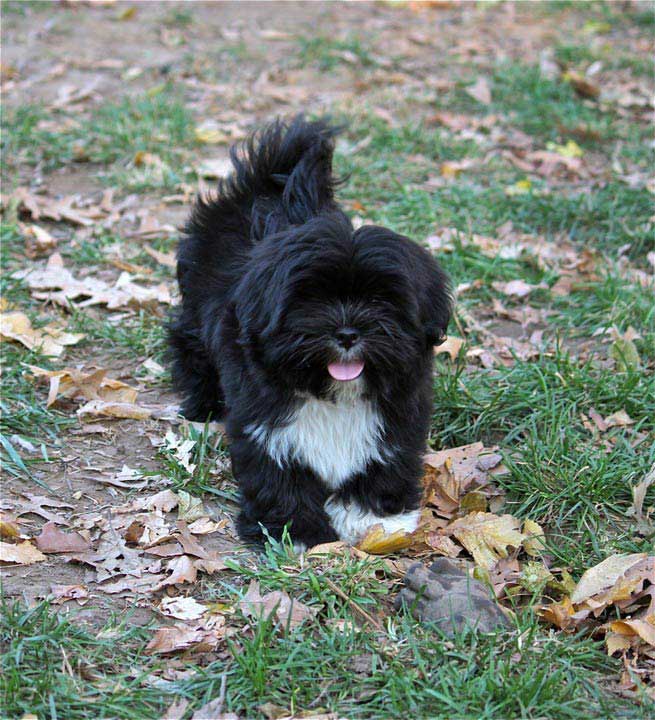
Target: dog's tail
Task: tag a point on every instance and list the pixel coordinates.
(283, 174)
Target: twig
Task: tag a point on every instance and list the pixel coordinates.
(369, 618)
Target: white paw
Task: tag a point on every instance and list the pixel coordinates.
(351, 522)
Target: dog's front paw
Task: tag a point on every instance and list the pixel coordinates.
(352, 522)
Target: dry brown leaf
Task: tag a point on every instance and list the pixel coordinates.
(92, 385)
(619, 419)
(517, 288)
(202, 638)
(582, 85)
(480, 91)
(639, 493)
(49, 340)
(163, 258)
(21, 554)
(101, 408)
(182, 571)
(215, 168)
(487, 536)
(62, 593)
(453, 473)
(9, 525)
(291, 613)
(37, 504)
(377, 542)
(452, 346)
(182, 608)
(604, 575)
(53, 540)
(38, 240)
(63, 288)
(645, 628)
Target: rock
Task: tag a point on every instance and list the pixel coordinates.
(447, 596)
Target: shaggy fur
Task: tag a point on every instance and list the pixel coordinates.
(277, 288)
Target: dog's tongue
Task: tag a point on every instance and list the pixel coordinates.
(346, 370)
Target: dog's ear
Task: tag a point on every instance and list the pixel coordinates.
(435, 296)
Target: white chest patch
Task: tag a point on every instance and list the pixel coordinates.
(335, 440)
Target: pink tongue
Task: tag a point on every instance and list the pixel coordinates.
(346, 371)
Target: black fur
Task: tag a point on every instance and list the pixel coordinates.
(269, 271)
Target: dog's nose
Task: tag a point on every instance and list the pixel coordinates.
(346, 337)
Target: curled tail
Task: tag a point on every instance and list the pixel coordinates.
(282, 177)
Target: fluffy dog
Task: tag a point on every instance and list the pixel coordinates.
(314, 340)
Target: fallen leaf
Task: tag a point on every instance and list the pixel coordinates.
(63, 288)
(163, 258)
(182, 570)
(38, 240)
(645, 629)
(535, 538)
(21, 554)
(619, 419)
(517, 288)
(480, 91)
(53, 540)
(291, 613)
(9, 526)
(183, 637)
(215, 168)
(62, 593)
(582, 85)
(604, 575)
(377, 542)
(452, 346)
(190, 508)
(49, 340)
(639, 493)
(182, 608)
(486, 536)
(93, 385)
(102, 408)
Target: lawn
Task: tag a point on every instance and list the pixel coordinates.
(512, 139)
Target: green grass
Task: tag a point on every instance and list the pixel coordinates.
(326, 53)
(157, 122)
(57, 668)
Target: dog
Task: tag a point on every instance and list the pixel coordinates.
(313, 340)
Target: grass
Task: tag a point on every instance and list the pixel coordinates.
(114, 135)
(326, 53)
(57, 668)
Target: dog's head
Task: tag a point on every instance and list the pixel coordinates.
(322, 306)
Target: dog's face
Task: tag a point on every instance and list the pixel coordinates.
(325, 307)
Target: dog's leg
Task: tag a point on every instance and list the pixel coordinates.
(195, 377)
(387, 494)
(275, 497)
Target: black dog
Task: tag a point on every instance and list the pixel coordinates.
(313, 339)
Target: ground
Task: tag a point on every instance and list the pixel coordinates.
(512, 139)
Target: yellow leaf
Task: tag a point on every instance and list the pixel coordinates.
(521, 187)
(210, 133)
(645, 629)
(534, 542)
(22, 554)
(101, 408)
(570, 150)
(49, 340)
(486, 536)
(70, 382)
(377, 542)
